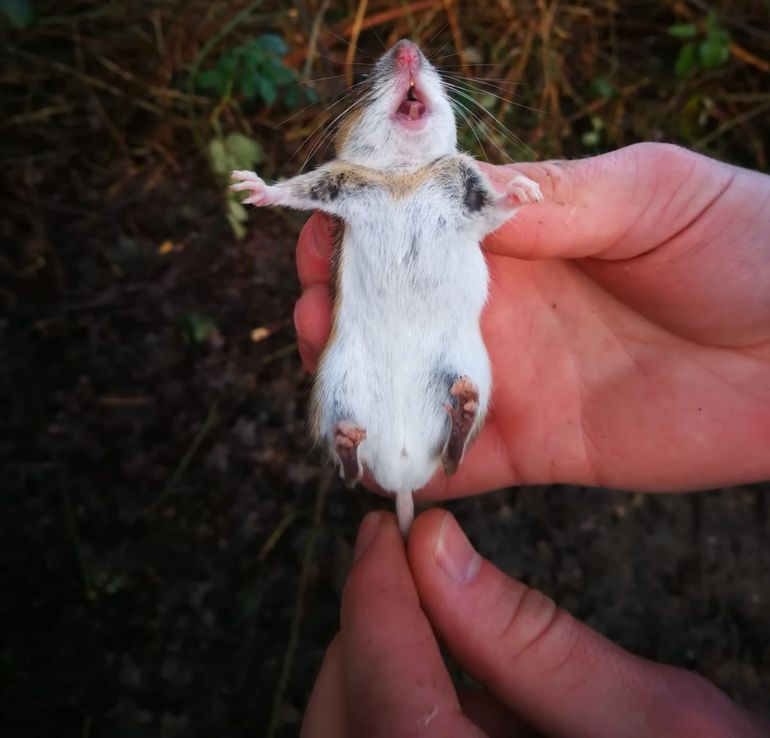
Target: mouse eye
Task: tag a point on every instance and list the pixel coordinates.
(359, 78)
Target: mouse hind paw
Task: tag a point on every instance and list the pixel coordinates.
(462, 411)
(347, 438)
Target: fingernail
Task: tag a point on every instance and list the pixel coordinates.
(366, 534)
(454, 554)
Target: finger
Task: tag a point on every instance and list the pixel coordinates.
(614, 206)
(314, 250)
(312, 321)
(396, 681)
(491, 716)
(326, 713)
(559, 675)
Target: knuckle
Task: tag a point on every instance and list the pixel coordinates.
(555, 181)
(534, 623)
(665, 157)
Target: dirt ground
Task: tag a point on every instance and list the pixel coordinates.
(160, 491)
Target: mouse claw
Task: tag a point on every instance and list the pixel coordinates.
(522, 190)
(347, 438)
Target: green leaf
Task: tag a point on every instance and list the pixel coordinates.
(244, 152)
(234, 151)
(713, 53)
(248, 85)
(683, 30)
(273, 43)
(228, 65)
(602, 87)
(291, 96)
(218, 157)
(281, 75)
(236, 217)
(712, 20)
(197, 328)
(267, 90)
(590, 139)
(211, 79)
(18, 12)
(686, 61)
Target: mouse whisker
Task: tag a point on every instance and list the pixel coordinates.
(435, 56)
(379, 38)
(500, 127)
(339, 62)
(330, 127)
(342, 97)
(336, 98)
(347, 43)
(459, 107)
(473, 84)
(464, 91)
(496, 82)
(339, 97)
(488, 135)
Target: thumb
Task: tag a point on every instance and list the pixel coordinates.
(560, 676)
(613, 206)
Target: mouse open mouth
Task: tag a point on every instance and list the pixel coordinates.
(412, 110)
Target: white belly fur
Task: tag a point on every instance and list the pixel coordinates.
(413, 282)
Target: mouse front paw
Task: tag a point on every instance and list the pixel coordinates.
(522, 190)
(252, 184)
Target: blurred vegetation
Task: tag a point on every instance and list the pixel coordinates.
(162, 501)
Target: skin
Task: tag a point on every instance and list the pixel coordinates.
(628, 325)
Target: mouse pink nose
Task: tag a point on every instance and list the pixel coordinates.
(407, 54)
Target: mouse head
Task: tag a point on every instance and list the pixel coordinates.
(402, 115)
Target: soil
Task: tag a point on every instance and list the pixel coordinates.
(159, 493)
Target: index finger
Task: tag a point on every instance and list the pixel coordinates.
(314, 250)
(395, 678)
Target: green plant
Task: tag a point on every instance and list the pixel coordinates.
(706, 46)
(18, 12)
(251, 72)
(198, 328)
(229, 152)
(255, 71)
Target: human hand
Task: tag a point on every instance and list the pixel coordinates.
(628, 326)
(543, 672)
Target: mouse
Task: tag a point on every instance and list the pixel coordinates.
(404, 382)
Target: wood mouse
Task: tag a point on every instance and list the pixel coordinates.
(404, 382)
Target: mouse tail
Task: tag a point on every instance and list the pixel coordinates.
(404, 511)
